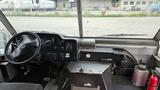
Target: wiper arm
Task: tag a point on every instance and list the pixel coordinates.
(125, 35)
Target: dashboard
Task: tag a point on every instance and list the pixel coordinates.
(61, 50)
(55, 48)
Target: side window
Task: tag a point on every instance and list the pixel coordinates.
(4, 37)
(4, 30)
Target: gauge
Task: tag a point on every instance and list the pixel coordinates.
(68, 47)
(52, 40)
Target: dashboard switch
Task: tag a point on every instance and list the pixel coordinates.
(88, 55)
(67, 55)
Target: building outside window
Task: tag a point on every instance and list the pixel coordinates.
(138, 3)
(150, 2)
(72, 3)
(115, 3)
(37, 1)
(125, 2)
(131, 2)
(143, 2)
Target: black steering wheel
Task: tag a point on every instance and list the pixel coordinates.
(22, 47)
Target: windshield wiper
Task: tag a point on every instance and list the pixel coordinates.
(122, 34)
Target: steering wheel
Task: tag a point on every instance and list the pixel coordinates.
(22, 47)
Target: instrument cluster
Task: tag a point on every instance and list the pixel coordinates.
(55, 48)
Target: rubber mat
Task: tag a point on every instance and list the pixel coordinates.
(124, 83)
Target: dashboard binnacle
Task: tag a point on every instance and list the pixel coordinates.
(55, 48)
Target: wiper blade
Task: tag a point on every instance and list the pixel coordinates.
(125, 35)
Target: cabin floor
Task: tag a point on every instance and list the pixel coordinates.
(124, 83)
(119, 83)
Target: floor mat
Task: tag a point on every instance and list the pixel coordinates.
(126, 87)
(51, 85)
(124, 83)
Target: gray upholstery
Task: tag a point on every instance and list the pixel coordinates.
(20, 86)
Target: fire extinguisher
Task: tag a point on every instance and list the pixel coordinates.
(153, 82)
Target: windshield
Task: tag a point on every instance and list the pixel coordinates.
(101, 18)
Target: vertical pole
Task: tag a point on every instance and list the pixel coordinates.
(56, 4)
(6, 23)
(31, 6)
(79, 13)
(14, 8)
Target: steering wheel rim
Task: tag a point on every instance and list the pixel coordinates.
(37, 50)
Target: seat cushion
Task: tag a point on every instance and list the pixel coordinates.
(20, 86)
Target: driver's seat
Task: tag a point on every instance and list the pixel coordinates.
(20, 86)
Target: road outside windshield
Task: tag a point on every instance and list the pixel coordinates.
(101, 18)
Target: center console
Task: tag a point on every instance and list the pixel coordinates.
(85, 75)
